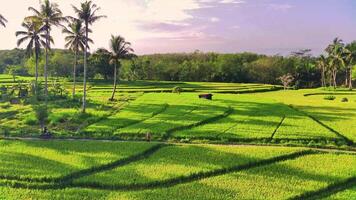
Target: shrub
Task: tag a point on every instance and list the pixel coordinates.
(41, 114)
(330, 98)
(344, 99)
(177, 89)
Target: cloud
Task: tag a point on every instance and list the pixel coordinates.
(280, 7)
(232, 2)
(214, 19)
(168, 11)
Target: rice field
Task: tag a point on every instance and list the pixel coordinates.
(249, 142)
(134, 170)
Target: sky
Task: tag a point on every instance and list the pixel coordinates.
(225, 26)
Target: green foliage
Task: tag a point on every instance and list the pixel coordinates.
(11, 57)
(177, 90)
(330, 98)
(41, 113)
(344, 99)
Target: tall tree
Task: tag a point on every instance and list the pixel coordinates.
(75, 41)
(352, 59)
(35, 35)
(88, 14)
(337, 59)
(119, 49)
(49, 14)
(322, 64)
(3, 21)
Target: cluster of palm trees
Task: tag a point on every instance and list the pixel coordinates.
(37, 34)
(339, 57)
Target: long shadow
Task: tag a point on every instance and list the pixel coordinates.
(162, 110)
(113, 112)
(157, 184)
(324, 113)
(169, 132)
(279, 125)
(348, 140)
(110, 125)
(28, 163)
(327, 191)
(86, 172)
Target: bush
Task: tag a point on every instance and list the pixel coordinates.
(344, 99)
(330, 98)
(177, 89)
(41, 112)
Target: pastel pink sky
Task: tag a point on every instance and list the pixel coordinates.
(160, 26)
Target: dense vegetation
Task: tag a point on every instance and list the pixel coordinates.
(198, 66)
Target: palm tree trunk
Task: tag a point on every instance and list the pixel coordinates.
(36, 72)
(334, 77)
(85, 69)
(322, 77)
(46, 65)
(346, 77)
(115, 84)
(74, 71)
(350, 79)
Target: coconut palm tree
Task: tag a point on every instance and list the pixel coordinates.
(322, 64)
(88, 14)
(348, 59)
(35, 35)
(351, 60)
(3, 21)
(336, 52)
(119, 49)
(75, 41)
(49, 14)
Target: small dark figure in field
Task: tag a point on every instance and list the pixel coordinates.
(148, 137)
(46, 134)
(206, 96)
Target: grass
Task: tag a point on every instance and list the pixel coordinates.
(49, 159)
(176, 161)
(201, 171)
(166, 168)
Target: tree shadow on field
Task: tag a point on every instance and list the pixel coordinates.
(255, 113)
(328, 190)
(26, 165)
(301, 177)
(330, 113)
(189, 159)
(89, 149)
(190, 191)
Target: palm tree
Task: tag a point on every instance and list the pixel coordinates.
(3, 21)
(119, 49)
(35, 34)
(75, 41)
(348, 59)
(351, 60)
(322, 63)
(49, 14)
(88, 14)
(336, 52)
